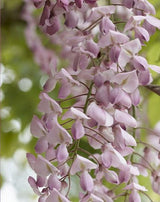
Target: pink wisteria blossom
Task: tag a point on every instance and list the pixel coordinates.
(89, 127)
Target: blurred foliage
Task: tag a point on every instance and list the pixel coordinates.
(18, 57)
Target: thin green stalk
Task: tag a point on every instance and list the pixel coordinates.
(87, 99)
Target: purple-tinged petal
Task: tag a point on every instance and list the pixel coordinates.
(77, 130)
(37, 128)
(31, 160)
(134, 196)
(124, 58)
(81, 164)
(93, 143)
(92, 197)
(50, 153)
(59, 135)
(107, 158)
(40, 181)
(118, 160)
(34, 186)
(144, 77)
(65, 90)
(128, 81)
(111, 176)
(79, 3)
(100, 11)
(135, 97)
(117, 96)
(142, 34)
(78, 114)
(62, 153)
(136, 186)
(54, 25)
(114, 53)
(140, 63)
(41, 145)
(99, 79)
(38, 3)
(153, 21)
(106, 24)
(83, 61)
(125, 118)
(71, 19)
(156, 184)
(103, 94)
(128, 3)
(129, 139)
(124, 174)
(150, 28)
(56, 196)
(155, 68)
(48, 105)
(43, 167)
(45, 13)
(91, 48)
(86, 181)
(42, 198)
(53, 182)
(99, 115)
(50, 84)
(133, 46)
(112, 37)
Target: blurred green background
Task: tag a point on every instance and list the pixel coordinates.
(21, 80)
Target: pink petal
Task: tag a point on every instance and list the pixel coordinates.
(135, 97)
(133, 46)
(56, 196)
(114, 53)
(142, 34)
(53, 182)
(100, 115)
(140, 63)
(124, 58)
(100, 11)
(41, 145)
(144, 77)
(43, 167)
(45, 13)
(54, 26)
(106, 24)
(107, 158)
(31, 160)
(32, 183)
(155, 68)
(136, 186)
(62, 153)
(111, 176)
(129, 139)
(37, 128)
(78, 114)
(65, 90)
(113, 37)
(86, 181)
(81, 164)
(103, 94)
(48, 105)
(125, 118)
(153, 21)
(134, 197)
(77, 130)
(59, 135)
(79, 3)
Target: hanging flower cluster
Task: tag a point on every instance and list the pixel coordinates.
(97, 101)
